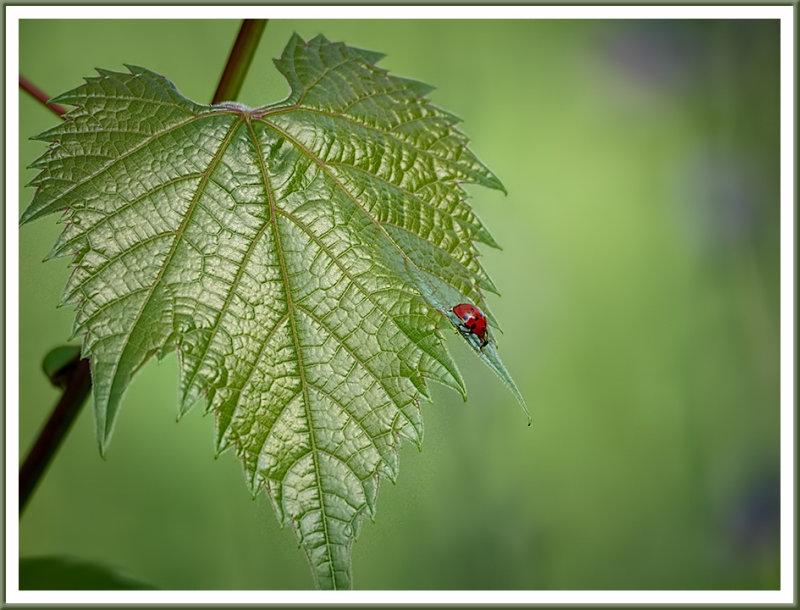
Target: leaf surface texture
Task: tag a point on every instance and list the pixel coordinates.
(298, 256)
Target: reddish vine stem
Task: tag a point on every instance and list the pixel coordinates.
(76, 389)
(230, 83)
(77, 381)
(40, 95)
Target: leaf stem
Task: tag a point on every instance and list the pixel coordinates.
(239, 60)
(76, 389)
(40, 95)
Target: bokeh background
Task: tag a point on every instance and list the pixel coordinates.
(639, 280)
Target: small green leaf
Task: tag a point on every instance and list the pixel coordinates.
(58, 361)
(69, 574)
(297, 256)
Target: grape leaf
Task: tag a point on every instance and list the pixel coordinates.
(300, 258)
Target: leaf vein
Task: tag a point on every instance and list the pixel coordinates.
(113, 374)
(298, 351)
(132, 151)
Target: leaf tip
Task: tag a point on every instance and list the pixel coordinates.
(525, 409)
(220, 446)
(102, 447)
(495, 183)
(27, 216)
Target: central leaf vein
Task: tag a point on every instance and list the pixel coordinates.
(298, 351)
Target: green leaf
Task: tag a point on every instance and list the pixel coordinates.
(58, 363)
(300, 257)
(69, 574)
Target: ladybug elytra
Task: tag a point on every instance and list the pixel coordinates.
(472, 322)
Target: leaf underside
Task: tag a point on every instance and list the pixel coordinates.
(297, 256)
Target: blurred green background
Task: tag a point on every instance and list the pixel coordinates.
(639, 280)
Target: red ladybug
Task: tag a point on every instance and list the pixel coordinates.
(472, 321)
